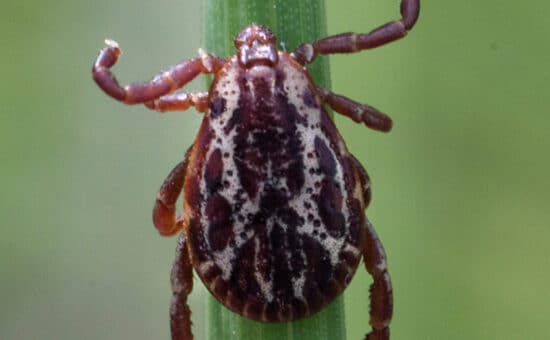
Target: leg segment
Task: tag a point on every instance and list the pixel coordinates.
(164, 83)
(180, 102)
(354, 42)
(357, 112)
(164, 218)
(182, 284)
(164, 211)
(381, 296)
(364, 179)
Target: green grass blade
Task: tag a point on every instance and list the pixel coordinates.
(293, 22)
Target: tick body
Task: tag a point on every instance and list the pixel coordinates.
(273, 219)
(275, 211)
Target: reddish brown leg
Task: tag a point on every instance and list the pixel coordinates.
(182, 284)
(355, 42)
(162, 84)
(164, 211)
(365, 181)
(381, 296)
(180, 102)
(357, 112)
(165, 220)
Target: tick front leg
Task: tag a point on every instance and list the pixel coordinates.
(162, 84)
(164, 211)
(182, 284)
(180, 102)
(357, 112)
(381, 296)
(355, 42)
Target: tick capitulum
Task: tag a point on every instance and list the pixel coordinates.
(273, 219)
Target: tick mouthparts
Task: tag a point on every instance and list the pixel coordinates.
(258, 55)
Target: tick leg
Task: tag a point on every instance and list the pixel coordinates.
(364, 179)
(164, 211)
(381, 297)
(357, 112)
(355, 42)
(180, 102)
(182, 284)
(162, 84)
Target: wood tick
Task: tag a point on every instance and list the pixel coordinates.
(273, 215)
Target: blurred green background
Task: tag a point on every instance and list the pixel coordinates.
(460, 185)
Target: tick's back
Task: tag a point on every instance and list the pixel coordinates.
(274, 229)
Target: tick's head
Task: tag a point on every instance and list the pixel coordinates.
(256, 45)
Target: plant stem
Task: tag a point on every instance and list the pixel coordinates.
(293, 22)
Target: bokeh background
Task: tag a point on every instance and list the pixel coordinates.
(461, 185)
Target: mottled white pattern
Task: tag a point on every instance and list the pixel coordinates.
(227, 88)
(266, 286)
(295, 84)
(313, 115)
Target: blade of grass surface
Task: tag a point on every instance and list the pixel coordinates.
(293, 22)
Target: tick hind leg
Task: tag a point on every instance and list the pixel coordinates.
(381, 296)
(165, 217)
(167, 223)
(359, 113)
(355, 42)
(182, 284)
